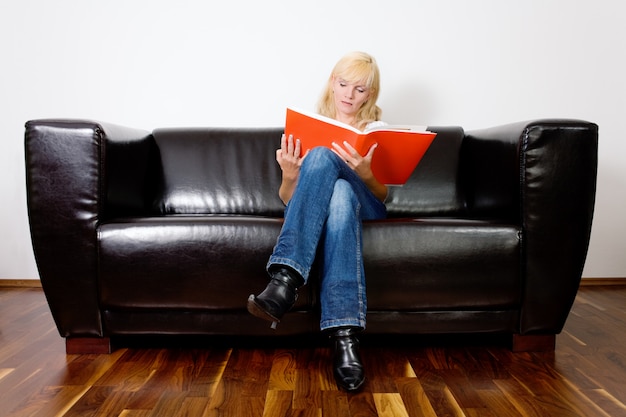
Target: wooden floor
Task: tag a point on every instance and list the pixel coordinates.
(461, 376)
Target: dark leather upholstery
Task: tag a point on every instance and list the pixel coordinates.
(168, 232)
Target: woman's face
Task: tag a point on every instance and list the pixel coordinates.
(349, 97)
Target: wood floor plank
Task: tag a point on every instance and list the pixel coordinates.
(521, 398)
(136, 413)
(278, 403)
(89, 403)
(414, 397)
(243, 386)
(210, 371)
(335, 403)
(18, 385)
(307, 394)
(465, 395)
(362, 405)
(192, 407)
(283, 372)
(114, 404)
(390, 405)
(169, 403)
(444, 403)
(608, 403)
(50, 401)
(383, 367)
(496, 404)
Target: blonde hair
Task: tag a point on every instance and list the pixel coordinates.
(355, 67)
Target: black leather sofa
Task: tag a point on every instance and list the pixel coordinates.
(168, 232)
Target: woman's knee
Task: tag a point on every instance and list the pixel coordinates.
(319, 158)
(343, 200)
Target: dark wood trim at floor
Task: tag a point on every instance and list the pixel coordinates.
(471, 376)
(20, 283)
(588, 282)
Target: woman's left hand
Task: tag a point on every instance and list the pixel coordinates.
(362, 165)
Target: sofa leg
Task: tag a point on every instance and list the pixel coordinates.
(84, 345)
(533, 342)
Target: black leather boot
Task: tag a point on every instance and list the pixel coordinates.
(278, 297)
(348, 369)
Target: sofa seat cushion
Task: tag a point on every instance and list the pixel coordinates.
(213, 263)
(442, 264)
(185, 262)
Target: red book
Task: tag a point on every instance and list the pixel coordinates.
(400, 148)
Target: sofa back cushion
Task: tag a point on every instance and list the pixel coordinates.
(435, 188)
(218, 171)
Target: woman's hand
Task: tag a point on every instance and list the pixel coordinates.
(362, 166)
(288, 157)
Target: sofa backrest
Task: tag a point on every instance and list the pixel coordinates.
(234, 171)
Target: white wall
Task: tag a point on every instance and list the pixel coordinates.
(156, 63)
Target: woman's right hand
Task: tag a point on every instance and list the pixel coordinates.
(288, 157)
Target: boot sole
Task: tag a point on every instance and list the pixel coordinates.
(257, 311)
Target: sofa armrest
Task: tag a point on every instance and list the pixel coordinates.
(556, 172)
(66, 196)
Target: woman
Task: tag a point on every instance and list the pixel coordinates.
(327, 195)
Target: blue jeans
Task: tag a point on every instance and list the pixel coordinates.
(326, 211)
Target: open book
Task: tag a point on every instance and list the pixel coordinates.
(400, 148)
